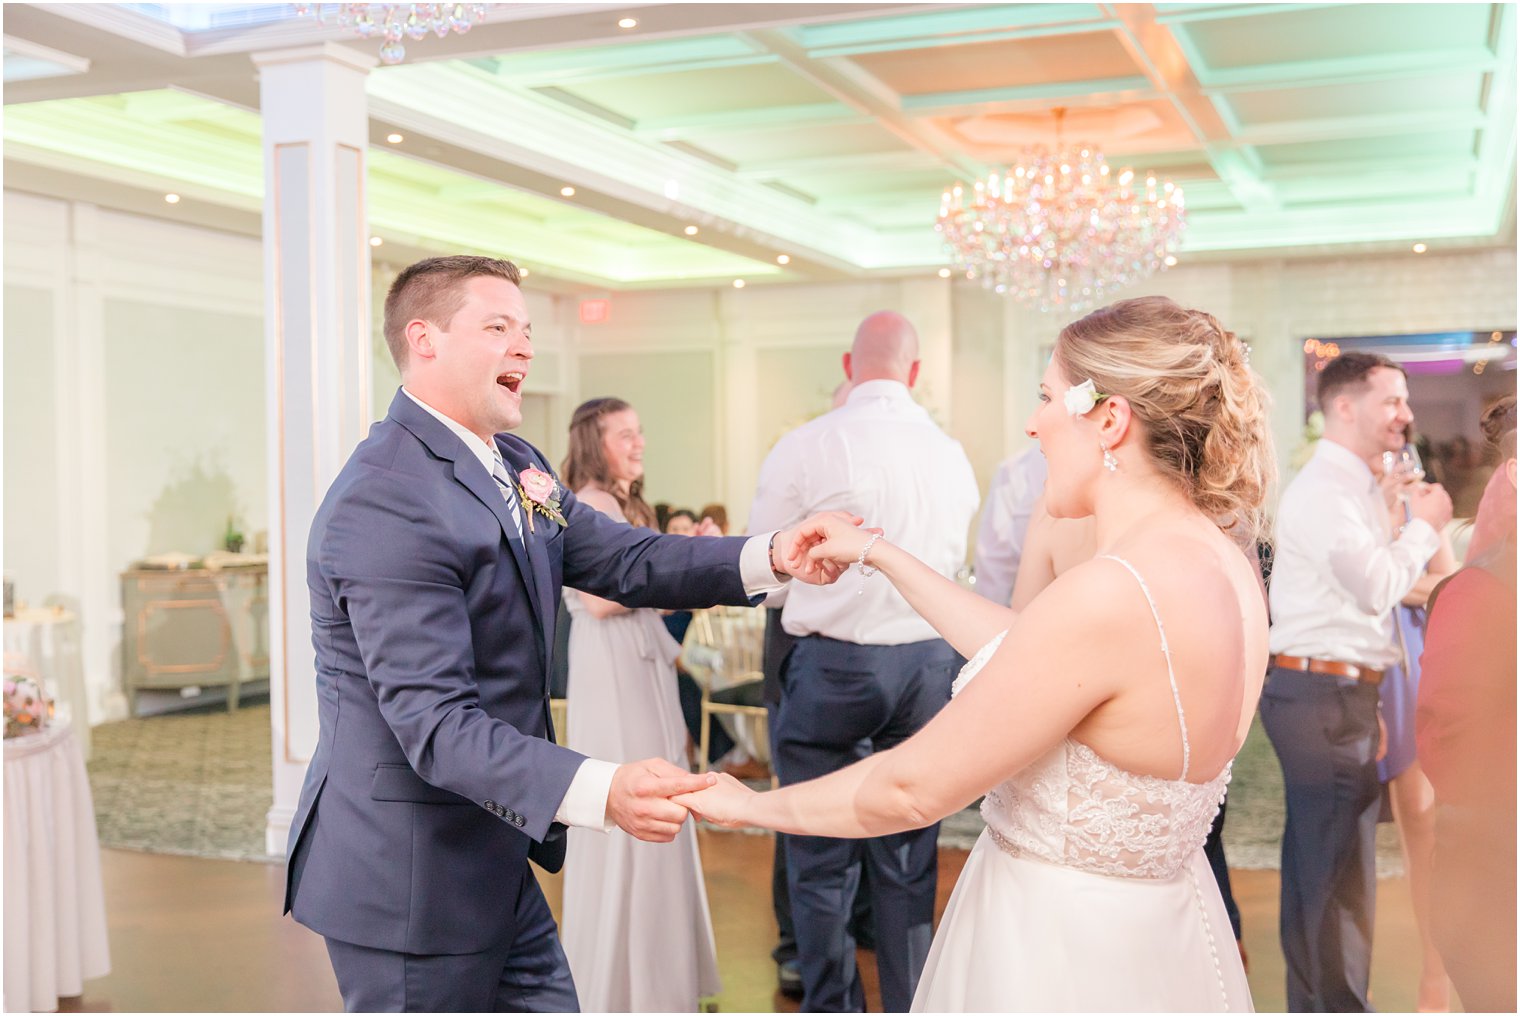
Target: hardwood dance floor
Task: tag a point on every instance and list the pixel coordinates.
(189, 934)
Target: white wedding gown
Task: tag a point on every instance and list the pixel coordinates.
(1088, 891)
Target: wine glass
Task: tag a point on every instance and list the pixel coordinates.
(1409, 465)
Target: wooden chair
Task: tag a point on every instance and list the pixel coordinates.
(734, 638)
(559, 712)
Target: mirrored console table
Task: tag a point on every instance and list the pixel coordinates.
(194, 627)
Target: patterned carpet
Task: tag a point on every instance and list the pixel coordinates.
(199, 783)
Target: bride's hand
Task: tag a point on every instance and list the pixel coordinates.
(832, 538)
(722, 804)
(790, 550)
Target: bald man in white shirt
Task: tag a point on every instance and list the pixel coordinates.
(866, 672)
(1339, 569)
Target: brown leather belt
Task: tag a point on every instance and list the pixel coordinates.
(1335, 668)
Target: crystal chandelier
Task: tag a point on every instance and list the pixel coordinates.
(393, 22)
(1059, 230)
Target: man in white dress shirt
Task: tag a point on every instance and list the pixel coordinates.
(1339, 569)
(1016, 486)
(866, 672)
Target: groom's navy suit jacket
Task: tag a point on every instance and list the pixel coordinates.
(435, 775)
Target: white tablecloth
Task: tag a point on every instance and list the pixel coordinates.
(49, 639)
(55, 913)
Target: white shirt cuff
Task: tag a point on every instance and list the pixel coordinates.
(585, 803)
(755, 566)
(1421, 534)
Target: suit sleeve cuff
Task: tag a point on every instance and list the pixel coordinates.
(755, 566)
(585, 803)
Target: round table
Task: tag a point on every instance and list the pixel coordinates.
(55, 914)
(49, 638)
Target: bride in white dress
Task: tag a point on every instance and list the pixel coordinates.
(1100, 722)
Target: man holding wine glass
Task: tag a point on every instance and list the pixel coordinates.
(1340, 568)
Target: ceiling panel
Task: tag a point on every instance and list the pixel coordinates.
(1094, 56)
(1347, 33)
(695, 92)
(1116, 130)
(1457, 144)
(782, 144)
(1415, 94)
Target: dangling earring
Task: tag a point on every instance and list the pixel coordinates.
(1109, 462)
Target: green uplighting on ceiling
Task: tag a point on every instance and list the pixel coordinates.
(193, 146)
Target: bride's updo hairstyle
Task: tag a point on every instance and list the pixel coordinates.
(1188, 382)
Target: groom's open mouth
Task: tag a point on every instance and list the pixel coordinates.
(512, 381)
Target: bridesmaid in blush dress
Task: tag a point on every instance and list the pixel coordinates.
(636, 927)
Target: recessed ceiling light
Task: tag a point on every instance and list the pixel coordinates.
(394, 139)
(1171, 260)
(944, 273)
(738, 283)
(523, 273)
(690, 231)
(628, 23)
(375, 241)
(567, 192)
(172, 199)
(783, 259)
(1419, 248)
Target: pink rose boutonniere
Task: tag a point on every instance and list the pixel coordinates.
(540, 494)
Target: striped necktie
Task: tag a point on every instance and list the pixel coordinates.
(508, 493)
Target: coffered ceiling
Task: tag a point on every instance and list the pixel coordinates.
(824, 132)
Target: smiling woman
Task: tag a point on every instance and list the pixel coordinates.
(628, 909)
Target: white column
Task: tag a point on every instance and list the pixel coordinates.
(317, 365)
(81, 423)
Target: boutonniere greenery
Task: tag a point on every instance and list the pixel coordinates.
(540, 494)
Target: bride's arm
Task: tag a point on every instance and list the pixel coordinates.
(962, 618)
(1059, 663)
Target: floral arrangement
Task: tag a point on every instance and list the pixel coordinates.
(28, 710)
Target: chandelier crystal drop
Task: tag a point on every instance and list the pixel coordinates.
(1060, 230)
(395, 22)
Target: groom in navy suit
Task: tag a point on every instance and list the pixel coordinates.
(435, 565)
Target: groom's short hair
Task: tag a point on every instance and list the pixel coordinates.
(433, 290)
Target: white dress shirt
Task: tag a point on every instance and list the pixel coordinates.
(881, 457)
(585, 802)
(1337, 570)
(1017, 485)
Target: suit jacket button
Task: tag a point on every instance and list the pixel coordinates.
(517, 820)
(490, 805)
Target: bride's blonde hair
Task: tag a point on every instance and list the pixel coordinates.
(1189, 383)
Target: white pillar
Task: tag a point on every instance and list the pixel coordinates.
(317, 363)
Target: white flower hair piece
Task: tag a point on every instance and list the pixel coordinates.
(1080, 399)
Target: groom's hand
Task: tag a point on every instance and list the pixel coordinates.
(639, 801)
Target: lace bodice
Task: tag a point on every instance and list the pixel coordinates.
(1074, 808)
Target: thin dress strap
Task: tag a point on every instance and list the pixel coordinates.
(1166, 651)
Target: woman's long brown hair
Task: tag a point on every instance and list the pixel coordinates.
(586, 464)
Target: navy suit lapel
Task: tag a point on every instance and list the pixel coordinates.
(538, 556)
(484, 487)
(469, 473)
